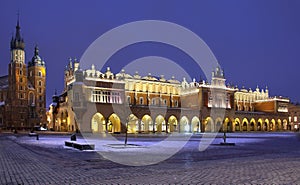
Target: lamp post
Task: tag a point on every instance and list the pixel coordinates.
(126, 132)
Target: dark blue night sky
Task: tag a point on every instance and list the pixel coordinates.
(256, 42)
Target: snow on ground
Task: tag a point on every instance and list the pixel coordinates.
(107, 143)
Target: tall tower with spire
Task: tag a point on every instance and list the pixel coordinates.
(17, 81)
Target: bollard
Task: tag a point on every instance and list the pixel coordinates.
(37, 137)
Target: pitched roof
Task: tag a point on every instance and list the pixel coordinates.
(4, 82)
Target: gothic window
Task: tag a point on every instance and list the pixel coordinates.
(128, 99)
(40, 83)
(21, 72)
(21, 80)
(40, 98)
(21, 87)
(31, 99)
(40, 74)
(40, 90)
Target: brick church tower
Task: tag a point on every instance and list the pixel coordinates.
(25, 103)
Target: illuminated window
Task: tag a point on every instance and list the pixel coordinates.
(100, 96)
(290, 119)
(295, 118)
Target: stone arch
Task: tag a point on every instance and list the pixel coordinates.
(133, 124)
(219, 124)
(98, 123)
(114, 123)
(196, 127)
(245, 125)
(259, 124)
(227, 125)
(184, 124)
(273, 125)
(285, 124)
(160, 123)
(253, 125)
(279, 125)
(208, 124)
(172, 124)
(146, 123)
(266, 125)
(237, 124)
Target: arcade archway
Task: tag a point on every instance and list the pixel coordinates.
(114, 123)
(98, 123)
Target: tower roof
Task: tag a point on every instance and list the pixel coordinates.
(36, 59)
(218, 73)
(17, 42)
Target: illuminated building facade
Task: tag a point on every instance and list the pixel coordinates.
(95, 101)
(294, 117)
(23, 90)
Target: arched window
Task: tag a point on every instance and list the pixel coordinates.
(141, 100)
(176, 103)
(153, 101)
(165, 102)
(40, 83)
(128, 99)
(40, 74)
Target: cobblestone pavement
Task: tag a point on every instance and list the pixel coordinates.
(271, 159)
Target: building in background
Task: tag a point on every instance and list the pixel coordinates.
(23, 90)
(294, 117)
(95, 101)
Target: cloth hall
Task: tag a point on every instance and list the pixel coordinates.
(101, 101)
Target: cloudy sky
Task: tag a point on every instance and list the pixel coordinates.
(255, 42)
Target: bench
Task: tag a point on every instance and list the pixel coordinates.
(80, 146)
(33, 134)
